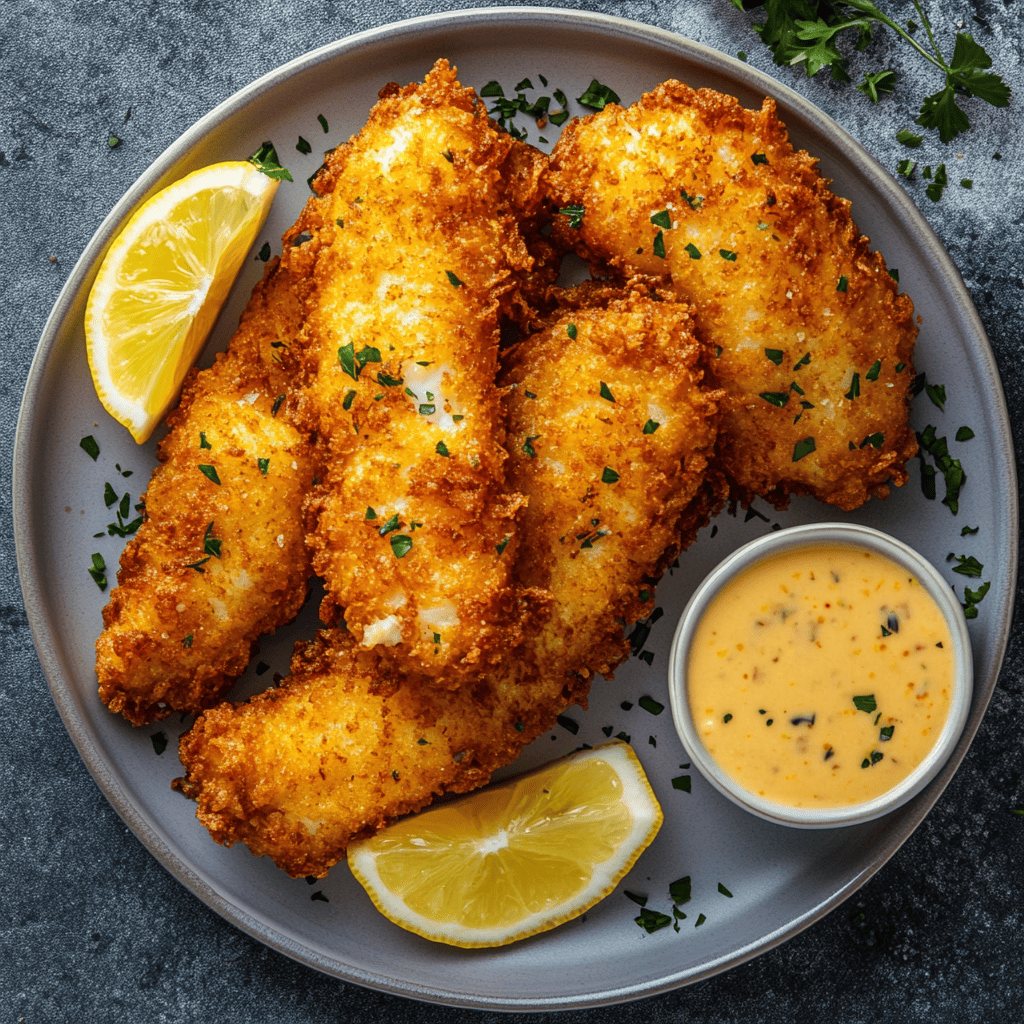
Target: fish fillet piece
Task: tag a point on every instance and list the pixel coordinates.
(220, 558)
(347, 744)
(803, 326)
(414, 253)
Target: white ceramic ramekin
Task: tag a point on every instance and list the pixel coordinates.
(798, 537)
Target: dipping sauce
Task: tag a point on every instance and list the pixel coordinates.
(821, 676)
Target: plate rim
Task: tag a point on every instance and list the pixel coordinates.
(152, 179)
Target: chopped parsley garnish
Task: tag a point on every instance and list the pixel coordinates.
(972, 598)
(906, 167)
(969, 531)
(453, 280)
(390, 526)
(964, 434)
(303, 146)
(803, 448)
(937, 394)
(652, 920)
(842, 284)
(700, 920)
(426, 409)
(651, 705)
(387, 381)
(568, 723)
(758, 158)
(198, 565)
(109, 495)
(774, 355)
(693, 251)
(725, 892)
(575, 215)
(854, 391)
(908, 138)
(350, 396)
(442, 449)
(210, 472)
(211, 544)
(682, 783)
(98, 571)
(528, 446)
(401, 545)
(727, 254)
(968, 566)
(265, 160)
(865, 703)
(651, 426)
(323, 122)
(606, 392)
(159, 741)
(90, 447)
(885, 733)
(803, 361)
(951, 470)
(186, 641)
(597, 96)
(371, 513)
(500, 548)
(938, 186)
(276, 405)
(778, 398)
(571, 331)
(874, 370)
(609, 476)
(658, 247)
(662, 219)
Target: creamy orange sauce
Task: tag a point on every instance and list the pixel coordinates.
(821, 676)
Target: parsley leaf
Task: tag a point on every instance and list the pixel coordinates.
(265, 160)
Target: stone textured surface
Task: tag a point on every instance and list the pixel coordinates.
(91, 927)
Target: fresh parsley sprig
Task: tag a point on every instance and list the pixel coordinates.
(806, 31)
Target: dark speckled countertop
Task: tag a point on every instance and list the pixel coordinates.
(92, 928)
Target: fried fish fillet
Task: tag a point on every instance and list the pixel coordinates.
(347, 744)
(220, 558)
(415, 251)
(803, 327)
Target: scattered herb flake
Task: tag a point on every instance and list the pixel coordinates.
(682, 783)
(570, 724)
(803, 448)
(90, 447)
(964, 434)
(210, 472)
(265, 160)
(606, 393)
(651, 426)
(98, 571)
(651, 705)
(866, 703)
(609, 476)
(693, 251)
(597, 96)
(159, 741)
(401, 545)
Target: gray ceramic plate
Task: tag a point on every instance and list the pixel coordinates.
(781, 879)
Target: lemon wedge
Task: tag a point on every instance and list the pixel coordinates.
(517, 858)
(163, 282)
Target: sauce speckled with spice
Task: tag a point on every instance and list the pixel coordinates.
(821, 676)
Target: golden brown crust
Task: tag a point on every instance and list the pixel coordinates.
(777, 271)
(415, 253)
(348, 743)
(180, 625)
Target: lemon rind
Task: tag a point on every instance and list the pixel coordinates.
(645, 827)
(137, 418)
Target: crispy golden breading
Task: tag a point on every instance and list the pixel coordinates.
(610, 435)
(803, 326)
(214, 565)
(415, 252)
(346, 744)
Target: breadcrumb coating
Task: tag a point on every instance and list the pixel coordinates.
(347, 744)
(219, 562)
(414, 252)
(802, 325)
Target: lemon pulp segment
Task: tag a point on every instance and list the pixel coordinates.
(517, 858)
(162, 284)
